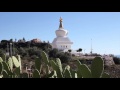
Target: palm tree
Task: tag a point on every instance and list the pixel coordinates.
(79, 50)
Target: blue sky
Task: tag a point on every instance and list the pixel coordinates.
(102, 27)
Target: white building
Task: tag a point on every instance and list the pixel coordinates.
(61, 42)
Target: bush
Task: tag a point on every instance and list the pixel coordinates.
(22, 52)
(116, 60)
(86, 61)
(73, 55)
(83, 61)
(34, 51)
(64, 57)
(53, 53)
(1, 53)
(33, 57)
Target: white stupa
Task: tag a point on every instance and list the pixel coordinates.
(61, 42)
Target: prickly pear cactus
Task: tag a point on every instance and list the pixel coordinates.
(38, 64)
(10, 63)
(67, 73)
(6, 67)
(58, 62)
(85, 71)
(20, 64)
(4, 57)
(15, 61)
(105, 75)
(48, 70)
(5, 74)
(56, 68)
(1, 68)
(1, 60)
(17, 71)
(1, 76)
(24, 75)
(97, 67)
(52, 74)
(78, 70)
(73, 73)
(45, 58)
(36, 74)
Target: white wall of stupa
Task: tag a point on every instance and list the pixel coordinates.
(61, 42)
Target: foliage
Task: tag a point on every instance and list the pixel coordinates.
(1, 53)
(22, 51)
(79, 50)
(97, 67)
(25, 49)
(116, 60)
(57, 71)
(53, 53)
(69, 50)
(63, 56)
(86, 61)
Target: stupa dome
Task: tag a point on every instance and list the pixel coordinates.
(61, 32)
(61, 42)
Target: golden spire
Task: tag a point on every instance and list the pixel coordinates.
(61, 19)
(61, 26)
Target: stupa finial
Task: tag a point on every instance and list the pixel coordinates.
(61, 25)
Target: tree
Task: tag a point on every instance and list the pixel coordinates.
(48, 42)
(79, 50)
(70, 51)
(3, 44)
(11, 40)
(15, 40)
(53, 53)
(44, 42)
(116, 60)
(22, 52)
(64, 57)
(24, 39)
(1, 53)
(4, 41)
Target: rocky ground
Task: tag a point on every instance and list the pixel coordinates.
(113, 71)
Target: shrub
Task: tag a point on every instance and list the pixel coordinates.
(57, 70)
(64, 57)
(73, 55)
(53, 53)
(1, 53)
(33, 56)
(116, 60)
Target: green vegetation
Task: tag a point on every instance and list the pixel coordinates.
(30, 50)
(79, 50)
(11, 68)
(116, 60)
